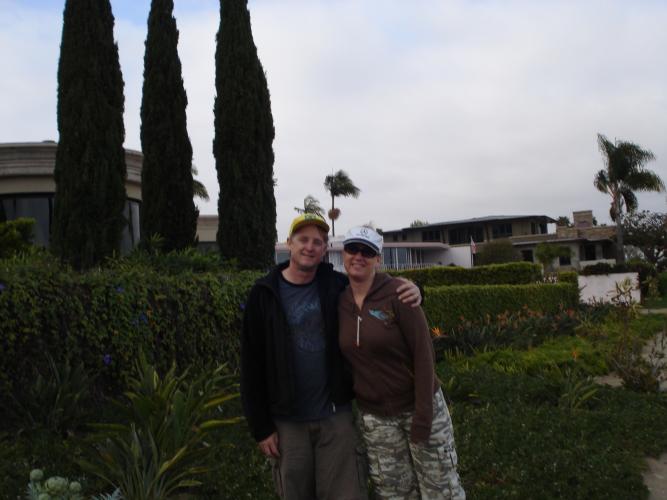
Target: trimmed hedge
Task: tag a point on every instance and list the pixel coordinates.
(449, 306)
(103, 317)
(568, 277)
(514, 273)
(662, 283)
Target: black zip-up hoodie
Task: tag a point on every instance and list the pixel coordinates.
(267, 367)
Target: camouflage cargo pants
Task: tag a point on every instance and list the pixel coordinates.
(401, 470)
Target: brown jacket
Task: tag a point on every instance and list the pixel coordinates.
(393, 361)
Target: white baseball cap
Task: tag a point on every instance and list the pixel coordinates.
(366, 236)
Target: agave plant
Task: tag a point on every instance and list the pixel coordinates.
(156, 446)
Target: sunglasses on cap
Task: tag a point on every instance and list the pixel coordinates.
(353, 249)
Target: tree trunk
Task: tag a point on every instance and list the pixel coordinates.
(620, 253)
(333, 222)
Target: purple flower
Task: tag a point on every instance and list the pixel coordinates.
(143, 318)
(242, 306)
(3, 287)
(120, 289)
(107, 359)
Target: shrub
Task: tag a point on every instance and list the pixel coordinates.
(567, 277)
(662, 284)
(522, 329)
(446, 307)
(157, 443)
(498, 252)
(15, 236)
(516, 273)
(103, 317)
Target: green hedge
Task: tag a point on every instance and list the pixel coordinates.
(568, 277)
(448, 306)
(662, 283)
(514, 273)
(104, 316)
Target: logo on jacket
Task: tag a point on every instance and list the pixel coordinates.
(386, 316)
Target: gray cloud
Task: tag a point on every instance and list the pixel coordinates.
(442, 111)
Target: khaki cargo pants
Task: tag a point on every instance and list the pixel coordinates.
(401, 470)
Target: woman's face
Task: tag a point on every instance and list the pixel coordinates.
(360, 261)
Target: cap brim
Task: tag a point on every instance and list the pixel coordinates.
(363, 242)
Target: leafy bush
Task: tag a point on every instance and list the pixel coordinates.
(498, 252)
(51, 396)
(546, 253)
(522, 329)
(662, 283)
(103, 317)
(157, 443)
(16, 236)
(446, 307)
(567, 277)
(516, 273)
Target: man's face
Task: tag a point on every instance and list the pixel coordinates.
(307, 247)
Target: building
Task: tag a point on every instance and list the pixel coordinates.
(589, 244)
(27, 188)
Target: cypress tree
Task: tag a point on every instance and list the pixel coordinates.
(167, 206)
(90, 160)
(243, 144)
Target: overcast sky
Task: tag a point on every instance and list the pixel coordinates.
(437, 109)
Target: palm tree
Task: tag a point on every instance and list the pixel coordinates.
(624, 173)
(198, 188)
(339, 184)
(311, 205)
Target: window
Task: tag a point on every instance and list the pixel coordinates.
(502, 230)
(564, 261)
(394, 237)
(527, 255)
(538, 228)
(462, 235)
(131, 234)
(38, 207)
(589, 252)
(430, 235)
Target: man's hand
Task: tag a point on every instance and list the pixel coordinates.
(270, 446)
(409, 293)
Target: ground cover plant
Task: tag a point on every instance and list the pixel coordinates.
(530, 421)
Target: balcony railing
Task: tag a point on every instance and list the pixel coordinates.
(400, 267)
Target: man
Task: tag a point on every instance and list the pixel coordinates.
(295, 388)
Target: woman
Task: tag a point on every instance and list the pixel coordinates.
(404, 419)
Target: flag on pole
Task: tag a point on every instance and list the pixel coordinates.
(473, 247)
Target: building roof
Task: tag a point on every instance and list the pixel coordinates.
(476, 220)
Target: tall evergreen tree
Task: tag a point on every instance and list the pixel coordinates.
(167, 205)
(243, 143)
(90, 161)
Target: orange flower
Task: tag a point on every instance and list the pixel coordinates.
(436, 331)
(575, 354)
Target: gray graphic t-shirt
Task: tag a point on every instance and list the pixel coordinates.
(304, 315)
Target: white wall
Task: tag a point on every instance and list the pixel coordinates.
(602, 288)
(459, 256)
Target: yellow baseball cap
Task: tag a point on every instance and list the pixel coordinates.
(305, 220)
